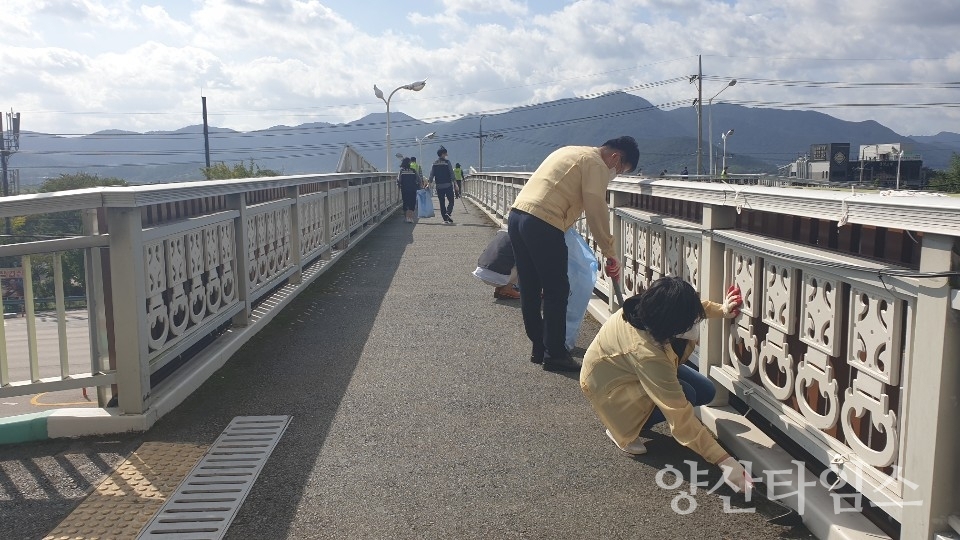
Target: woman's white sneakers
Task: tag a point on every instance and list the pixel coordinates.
(636, 448)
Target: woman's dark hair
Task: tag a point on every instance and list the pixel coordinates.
(669, 307)
(405, 164)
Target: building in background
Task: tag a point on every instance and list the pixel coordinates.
(874, 165)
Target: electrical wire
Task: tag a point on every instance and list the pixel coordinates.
(298, 151)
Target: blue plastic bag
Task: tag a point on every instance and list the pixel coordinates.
(424, 203)
(582, 269)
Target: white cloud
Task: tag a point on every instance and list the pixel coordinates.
(158, 17)
(108, 13)
(302, 61)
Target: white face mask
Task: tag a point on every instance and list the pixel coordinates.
(693, 334)
(613, 170)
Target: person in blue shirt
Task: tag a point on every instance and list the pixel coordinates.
(442, 176)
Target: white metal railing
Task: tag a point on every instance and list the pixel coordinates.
(848, 339)
(167, 266)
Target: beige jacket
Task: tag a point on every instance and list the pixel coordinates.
(571, 181)
(626, 374)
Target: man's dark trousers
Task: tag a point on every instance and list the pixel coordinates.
(541, 254)
(445, 193)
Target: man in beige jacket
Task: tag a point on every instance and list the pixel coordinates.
(570, 181)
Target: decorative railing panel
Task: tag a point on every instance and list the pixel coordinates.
(337, 199)
(824, 340)
(190, 277)
(366, 202)
(653, 247)
(376, 197)
(353, 207)
(312, 225)
(268, 244)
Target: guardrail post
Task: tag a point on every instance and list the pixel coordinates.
(931, 408)
(617, 199)
(713, 287)
(238, 202)
(128, 297)
(96, 301)
(296, 255)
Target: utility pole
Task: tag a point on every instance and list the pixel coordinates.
(481, 136)
(206, 134)
(9, 144)
(481, 143)
(699, 114)
(698, 103)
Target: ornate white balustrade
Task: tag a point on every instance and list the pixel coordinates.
(848, 338)
(268, 243)
(169, 267)
(822, 341)
(190, 278)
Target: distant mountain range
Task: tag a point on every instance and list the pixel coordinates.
(518, 139)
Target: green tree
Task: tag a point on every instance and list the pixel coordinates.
(66, 182)
(222, 171)
(56, 225)
(948, 180)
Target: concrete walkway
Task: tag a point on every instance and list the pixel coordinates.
(415, 415)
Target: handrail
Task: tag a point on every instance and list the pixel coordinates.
(54, 245)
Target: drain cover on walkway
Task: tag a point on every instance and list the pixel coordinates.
(208, 498)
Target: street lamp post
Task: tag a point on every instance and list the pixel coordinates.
(861, 164)
(899, 157)
(713, 170)
(725, 136)
(415, 86)
(420, 144)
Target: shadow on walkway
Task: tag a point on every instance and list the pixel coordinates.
(416, 414)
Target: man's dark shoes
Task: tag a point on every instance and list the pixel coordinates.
(536, 356)
(562, 363)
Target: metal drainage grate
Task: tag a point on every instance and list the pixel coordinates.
(207, 500)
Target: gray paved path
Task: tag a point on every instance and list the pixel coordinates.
(415, 415)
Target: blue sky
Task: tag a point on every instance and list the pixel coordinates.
(79, 66)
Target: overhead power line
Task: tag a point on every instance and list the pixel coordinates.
(911, 85)
(346, 131)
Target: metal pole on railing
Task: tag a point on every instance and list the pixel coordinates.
(861, 165)
(899, 158)
(725, 137)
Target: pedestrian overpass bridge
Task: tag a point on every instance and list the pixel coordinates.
(307, 296)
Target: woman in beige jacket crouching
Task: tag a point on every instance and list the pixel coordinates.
(635, 376)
